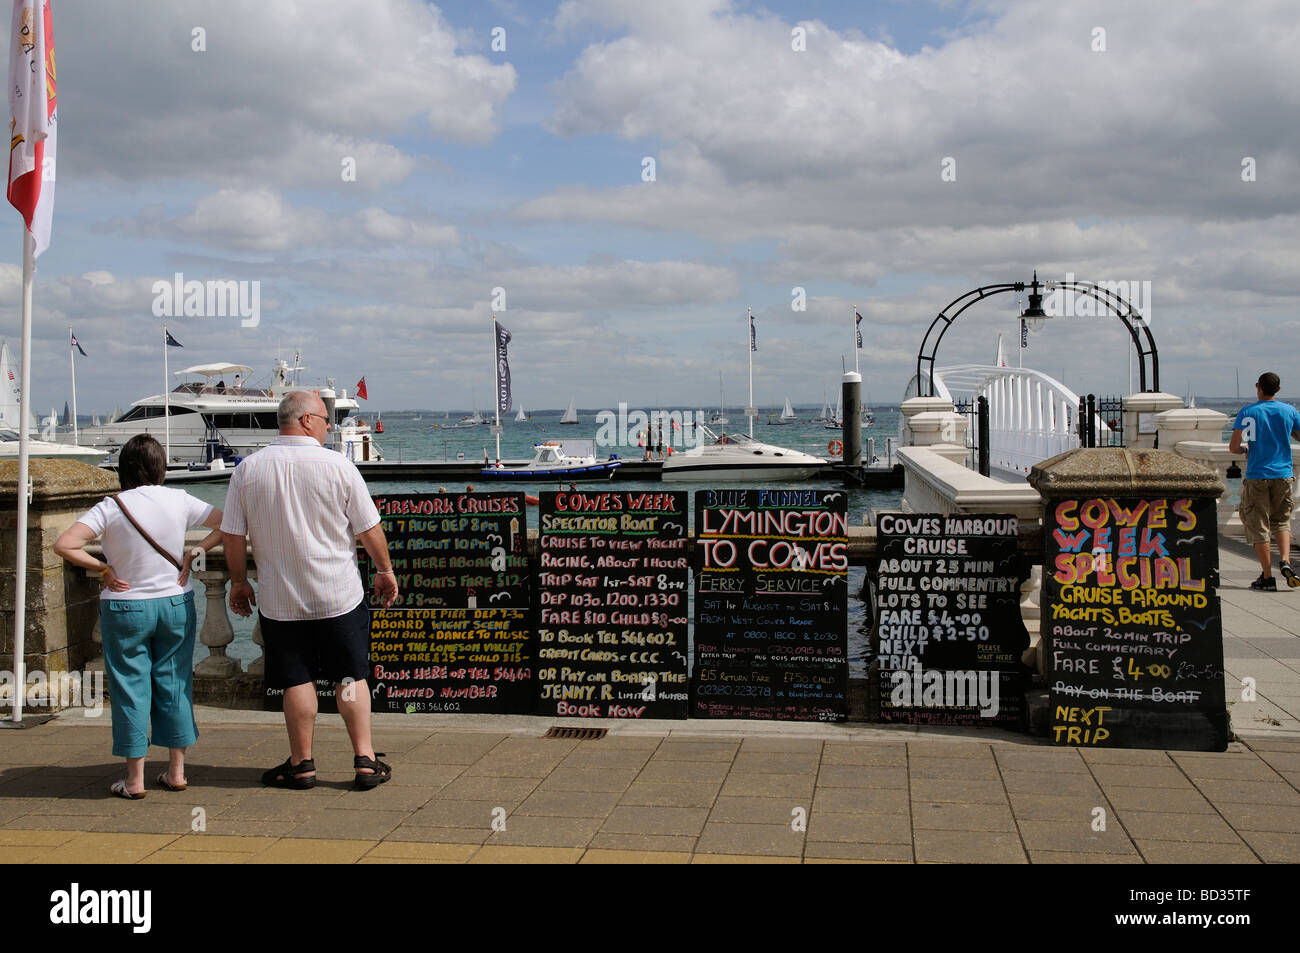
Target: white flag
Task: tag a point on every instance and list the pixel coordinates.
(33, 106)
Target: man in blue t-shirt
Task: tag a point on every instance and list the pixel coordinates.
(1263, 432)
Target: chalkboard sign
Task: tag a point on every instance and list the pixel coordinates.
(1132, 625)
(771, 605)
(458, 640)
(612, 633)
(948, 631)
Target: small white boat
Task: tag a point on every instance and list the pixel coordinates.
(571, 414)
(567, 460)
(46, 450)
(520, 416)
(720, 419)
(787, 415)
(734, 456)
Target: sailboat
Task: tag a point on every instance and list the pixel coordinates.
(571, 414)
(836, 420)
(720, 418)
(520, 416)
(11, 395)
(787, 415)
(825, 415)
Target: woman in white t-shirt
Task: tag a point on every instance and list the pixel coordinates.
(146, 610)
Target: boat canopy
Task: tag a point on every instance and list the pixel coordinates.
(215, 370)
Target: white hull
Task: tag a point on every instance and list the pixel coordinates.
(52, 451)
(244, 415)
(737, 471)
(739, 459)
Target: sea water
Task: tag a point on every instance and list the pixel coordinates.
(430, 438)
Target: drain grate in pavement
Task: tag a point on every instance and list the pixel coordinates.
(581, 734)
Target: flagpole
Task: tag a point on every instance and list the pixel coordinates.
(167, 407)
(496, 386)
(749, 346)
(24, 479)
(72, 360)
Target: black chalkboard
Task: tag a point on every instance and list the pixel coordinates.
(949, 635)
(1132, 628)
(771, 605)
(458, 641)
(613, 579)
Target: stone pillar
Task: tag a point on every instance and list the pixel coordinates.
(1189, 423)
(915, 406)
(62, 602)
(1139, 414)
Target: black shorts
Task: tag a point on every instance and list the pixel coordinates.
(304, 651)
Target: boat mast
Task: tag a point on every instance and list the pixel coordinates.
(72, 361)
(856, 369)
(167, 406)
(749, 410)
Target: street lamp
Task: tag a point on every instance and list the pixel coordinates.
(1034, 315)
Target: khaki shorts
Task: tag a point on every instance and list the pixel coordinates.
(1265, 508)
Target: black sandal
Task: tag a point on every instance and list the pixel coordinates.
(382, 772)
(289, 775)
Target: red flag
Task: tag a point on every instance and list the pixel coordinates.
(33, 103)
(361, 389)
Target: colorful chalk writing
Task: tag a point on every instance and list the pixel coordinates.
(612, 633)
(771, 605)
(1131, 624)
(459, 639)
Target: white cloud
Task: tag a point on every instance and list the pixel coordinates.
(281, 94)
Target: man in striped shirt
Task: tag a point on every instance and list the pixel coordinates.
(304, 508)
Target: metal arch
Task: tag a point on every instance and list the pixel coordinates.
(1132, 322)
(925, 375)
(925, 362)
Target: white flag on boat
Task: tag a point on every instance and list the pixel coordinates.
(33, 108)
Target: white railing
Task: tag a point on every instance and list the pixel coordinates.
(1032, 416)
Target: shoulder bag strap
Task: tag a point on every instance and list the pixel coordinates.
(147, 538)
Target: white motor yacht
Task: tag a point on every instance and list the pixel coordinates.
(220, 399)
(43, 448)
(735, 456)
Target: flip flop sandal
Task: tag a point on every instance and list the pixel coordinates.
(289, 775)
(118, 789)
(382, 772)
(162, 783)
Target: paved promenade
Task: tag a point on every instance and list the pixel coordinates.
(481, 789)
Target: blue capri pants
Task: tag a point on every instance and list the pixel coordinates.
(149, 657)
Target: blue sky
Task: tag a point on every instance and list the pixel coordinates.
(1114, 155)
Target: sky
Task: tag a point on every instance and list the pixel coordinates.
(619, 181)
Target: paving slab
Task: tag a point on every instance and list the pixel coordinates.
(968, 847)
(630, 819)
(1203, 828)
(1174, 852)
(671, 793)
(1075, 836)
(950, 816)
(767, 840)
(826, 826)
